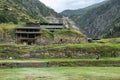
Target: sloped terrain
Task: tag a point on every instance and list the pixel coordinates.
(24, 11)
(97, 19)
(113, 30)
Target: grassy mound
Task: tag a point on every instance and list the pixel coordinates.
(47, 33)
(66, 32)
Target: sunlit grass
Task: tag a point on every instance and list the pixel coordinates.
(61, 73)
(109, 40)
(5, 26)
(9, 26)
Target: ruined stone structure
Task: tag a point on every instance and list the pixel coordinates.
(29, 33)
(69, 39)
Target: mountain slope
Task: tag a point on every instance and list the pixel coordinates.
(24, 11)
(96, 20)
(79, 12)
(113, 30)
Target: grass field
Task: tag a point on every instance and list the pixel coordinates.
(58, 60)
(61, 73)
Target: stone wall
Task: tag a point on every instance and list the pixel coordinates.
(71, 53)
(69, 39)
(43, 40)
(55, 51)
(82, 63)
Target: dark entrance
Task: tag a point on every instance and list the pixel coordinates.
(28, 42)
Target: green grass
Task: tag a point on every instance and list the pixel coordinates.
(58, 60)
(106, 49)
(66, 32)
(87, 45)
(61, 73)
(7, 26)
(109, 40)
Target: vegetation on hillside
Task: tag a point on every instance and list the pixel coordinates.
(24, 11)
(7, 32)
(108, 40)
(94, 20)
(113, 30)
(67, 32)
(64, 32)
(12, 13)
(60, 37)
(47, 33)
(75, 14)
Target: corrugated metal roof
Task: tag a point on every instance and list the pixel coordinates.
(27, 27)
(28, 32)
(43, 26)
(52, 26)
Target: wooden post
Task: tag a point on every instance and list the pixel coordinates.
(16, 38)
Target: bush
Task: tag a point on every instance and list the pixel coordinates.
(8, 18)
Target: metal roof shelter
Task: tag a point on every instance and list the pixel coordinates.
(52, 26)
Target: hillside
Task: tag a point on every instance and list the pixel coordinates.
(24, 11)
(113, 30)
(19, 12)
(73, 14)
(96, 20)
